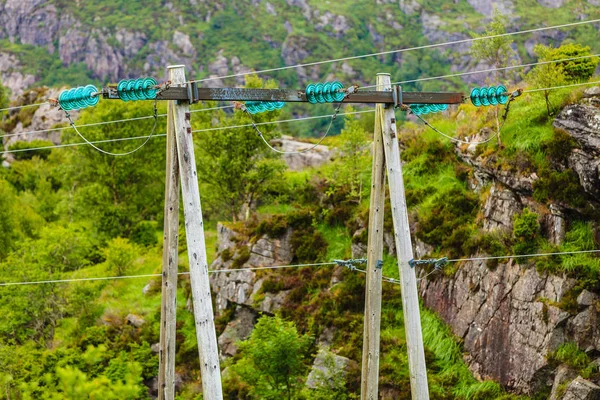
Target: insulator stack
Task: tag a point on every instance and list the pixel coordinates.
(137, 89)
(327, 92)
(420, 109)
(255, 107)
(78, 98)
(489, 96)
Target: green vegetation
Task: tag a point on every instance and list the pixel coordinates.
(569, 353)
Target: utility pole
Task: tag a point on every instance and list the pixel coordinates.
(386, 155)
(408, 279)
(372, 320)
(202, 302)
(168, 318)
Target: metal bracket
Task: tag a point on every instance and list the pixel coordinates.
(397, 95)
(192, 91)
(379, 264)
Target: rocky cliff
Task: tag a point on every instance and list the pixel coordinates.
(113, 44)
(510, 317)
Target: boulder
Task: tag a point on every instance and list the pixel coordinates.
(563, 374)
(581, 389)
(135, 320)
(238, 329)
(309, 159)
(326, 368)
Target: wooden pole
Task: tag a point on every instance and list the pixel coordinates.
(408, 279)
(168, 311)
(372, 320)
(194, 229)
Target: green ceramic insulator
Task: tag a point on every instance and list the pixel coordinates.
(91, 98)
(138, 89)
(149, 88)
(319, 92)
(310, 94)
(476, 97)
(483, 93)
(335, 93)
(502, 94)
(327, 92)
(122, 90)
(270, 106)
(492, 96)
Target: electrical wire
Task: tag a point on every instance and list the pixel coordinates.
(260, 134)
(561, 87)
(214, 271)
(25, 106)
(429, 46)
(559, 253)
(109, 122)
(195, 131)
(485, 70)
(111, 153)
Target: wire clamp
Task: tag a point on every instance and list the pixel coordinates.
(438, 263)
(350, 264)
(379, 264)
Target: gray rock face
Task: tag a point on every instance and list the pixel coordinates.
(486, 7)
(581, 389)
(563, 374)
(240, 287)
(11, 77)
(506, 329)
(29, 22)
(555, 225)
(296, 162)
(44, 117)
(583, 124)
(587, 168)
(238, 329)
(326, 367)
(500, 208)
(551, 3)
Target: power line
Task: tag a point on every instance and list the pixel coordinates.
(25, 106)
(195, 131)
(352, 268)
(109, 122)
(560, 253)
(400, 50)
(486, 70)
(214, 271)
(561, 87)
(281, 121)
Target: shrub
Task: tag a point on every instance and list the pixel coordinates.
(453, 212)
(309, 245)
(28, 154)
(120, 255)
(144, 233)
(525, 230)
(569, 353)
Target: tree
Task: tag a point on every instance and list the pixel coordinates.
(546, 75)
(495, 51)
(273, 359)
(115, 192)
(120, 255)
(234, 165)
(350, 169)
(580, 69)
